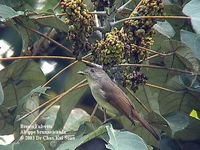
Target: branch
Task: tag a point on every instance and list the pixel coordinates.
(48, 38)
(163, 88)
(37, 57)
(159, 67)
(149, 17)
(58, 98)
(60, 72)
(121, 8)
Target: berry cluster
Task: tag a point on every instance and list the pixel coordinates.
(80, 21)
(140, 31)
(136, 78)
(124, 46)
(111, 50)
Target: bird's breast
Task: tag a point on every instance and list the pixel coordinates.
(99, 95)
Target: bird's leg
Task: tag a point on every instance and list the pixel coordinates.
(106, 120)
(93, 112)
(104, 115)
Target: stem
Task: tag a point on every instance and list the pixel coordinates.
(48, 38)
(60, 72)
(49, 16)
(159, 67)
(37, 57)
(156, 55)
(44, 104)
(121, 8)
(102, 13)
(54, 102)
(162, 88)
(149, 50)
(149, 17)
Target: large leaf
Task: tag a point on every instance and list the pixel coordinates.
(183, 126)
(192, 40)
(71, 99)
(192, 9)
(75, 119)
(31, 145)
(72, 145)
(30, 102)
(191, 82)
(17, 80)
(177, 122)
(7, 13)
(164, 28)
(120, 140)
(20, 78)
(177, 102)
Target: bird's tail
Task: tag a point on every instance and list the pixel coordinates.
(145, 124)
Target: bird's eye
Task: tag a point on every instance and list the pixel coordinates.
(92, 70)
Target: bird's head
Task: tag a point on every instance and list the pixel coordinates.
(93, 73)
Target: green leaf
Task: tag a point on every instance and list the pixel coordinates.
(187, 128)
(17, 80)
(177, 122)
(53, 22)
(173, 102)
(73, 144)
(192, 40)
(20, 78)
(72, 98)
(164, 28)
(7, 13)
(1, 94)
(120, 140)
(192, 9)
(190, 82)
(31, 100)
(75, 119)
(30, 145)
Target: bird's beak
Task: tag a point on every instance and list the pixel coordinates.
(81, 72)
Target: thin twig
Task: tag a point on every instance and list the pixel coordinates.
(51, 104)
(149, 50)
(38, 57)
(47, 102)
(148, 17)
(121, 8)
(162, 88)
(60, 72)
(48, 16)
(56, 6)
(156, 55)
(138, 5)
(159, 67)
(102, 13)
(48, 38)
(34, 110)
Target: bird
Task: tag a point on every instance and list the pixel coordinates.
(109, 96)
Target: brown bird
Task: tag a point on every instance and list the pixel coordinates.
(109, 96)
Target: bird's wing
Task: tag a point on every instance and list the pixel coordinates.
(123, 104)
(119, 100)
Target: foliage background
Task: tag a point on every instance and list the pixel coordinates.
(171, 92)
